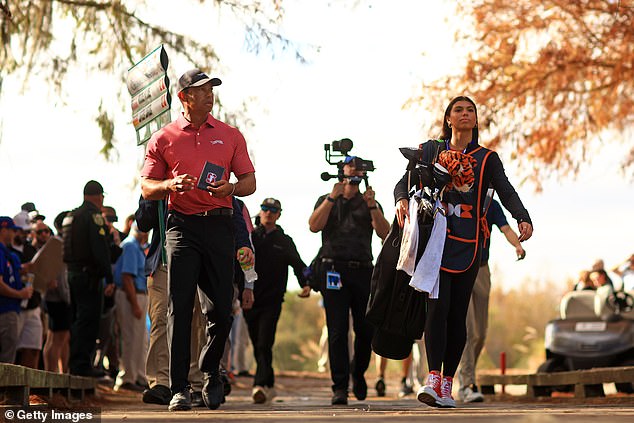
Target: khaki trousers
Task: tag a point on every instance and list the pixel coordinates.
(157, 362)
(133, 340)
(477, 322)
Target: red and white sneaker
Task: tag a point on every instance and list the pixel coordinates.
(430, 393)
(446, 400)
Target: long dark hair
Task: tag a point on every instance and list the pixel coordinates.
(446, 130)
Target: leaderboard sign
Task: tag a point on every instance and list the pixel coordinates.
(148, 85)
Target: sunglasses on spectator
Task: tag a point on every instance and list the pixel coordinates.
(270, 208)
(42, 231)
(112, 219)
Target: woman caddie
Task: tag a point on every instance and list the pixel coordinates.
(445, 329)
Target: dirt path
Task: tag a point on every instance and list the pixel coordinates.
(306, 397)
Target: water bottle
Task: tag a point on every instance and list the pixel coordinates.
(30, 277)
(249, 272)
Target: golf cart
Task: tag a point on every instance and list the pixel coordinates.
(596, 329)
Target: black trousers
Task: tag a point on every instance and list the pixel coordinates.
(200, 253)
(262, 324)
(86, 294)
(445, 328)
(351, 298)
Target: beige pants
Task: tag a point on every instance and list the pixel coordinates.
(157, 362)
(133, 340)
(240, 335)
(477, 322)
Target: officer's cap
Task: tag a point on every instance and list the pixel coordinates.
(93, 188)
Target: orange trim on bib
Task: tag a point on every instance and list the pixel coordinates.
(478, 211)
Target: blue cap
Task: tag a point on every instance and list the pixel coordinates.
(348, 159)
(7, 223)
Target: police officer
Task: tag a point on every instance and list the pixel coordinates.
(87, 255)
(346, 219)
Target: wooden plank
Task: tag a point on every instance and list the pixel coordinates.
(503, 379)
(587, 377)
(35, 378)
(608, 374)
(80, 382)
(16, 383)
(12, 375)
(44, 379)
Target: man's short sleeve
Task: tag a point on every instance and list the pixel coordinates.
(154, 165)
(241, 162)
(320, 200)
(129, 261)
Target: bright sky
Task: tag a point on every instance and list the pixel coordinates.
(369, 62)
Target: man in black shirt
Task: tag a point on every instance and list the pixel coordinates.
(347, 219)
(274, 252)
(87, 255)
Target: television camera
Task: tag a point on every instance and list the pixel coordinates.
(340, 149)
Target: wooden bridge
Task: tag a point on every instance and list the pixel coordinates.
(541, 384)
(18, 382)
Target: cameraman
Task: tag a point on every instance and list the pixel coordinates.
(347, 219)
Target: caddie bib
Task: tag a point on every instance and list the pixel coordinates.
(464, 210)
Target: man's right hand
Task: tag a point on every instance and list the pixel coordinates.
(26, 292)
(337, 190)
(247, 299)
(116, 238)
(402, 211)
(136, 311)
(109, 290)
(182, 183)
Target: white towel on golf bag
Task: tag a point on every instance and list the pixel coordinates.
(409, 241)
(426, 277)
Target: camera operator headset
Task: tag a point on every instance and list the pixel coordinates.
(347, 219)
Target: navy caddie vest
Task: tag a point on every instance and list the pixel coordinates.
(464, 213)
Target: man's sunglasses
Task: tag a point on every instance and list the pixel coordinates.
(270, 208)
(42, 231)
(112, 219)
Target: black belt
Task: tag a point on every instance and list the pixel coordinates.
(350, 264)
(216, 212)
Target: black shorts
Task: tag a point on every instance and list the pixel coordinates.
(59, 316)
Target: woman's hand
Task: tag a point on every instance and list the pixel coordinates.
(402, 211)
(305, 292)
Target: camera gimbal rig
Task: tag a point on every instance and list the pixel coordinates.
(340, 149)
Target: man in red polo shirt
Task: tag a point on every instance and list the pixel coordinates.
(199, 232)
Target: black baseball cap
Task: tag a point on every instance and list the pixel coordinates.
(93, 188)
(196, 78)
(29, 207)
